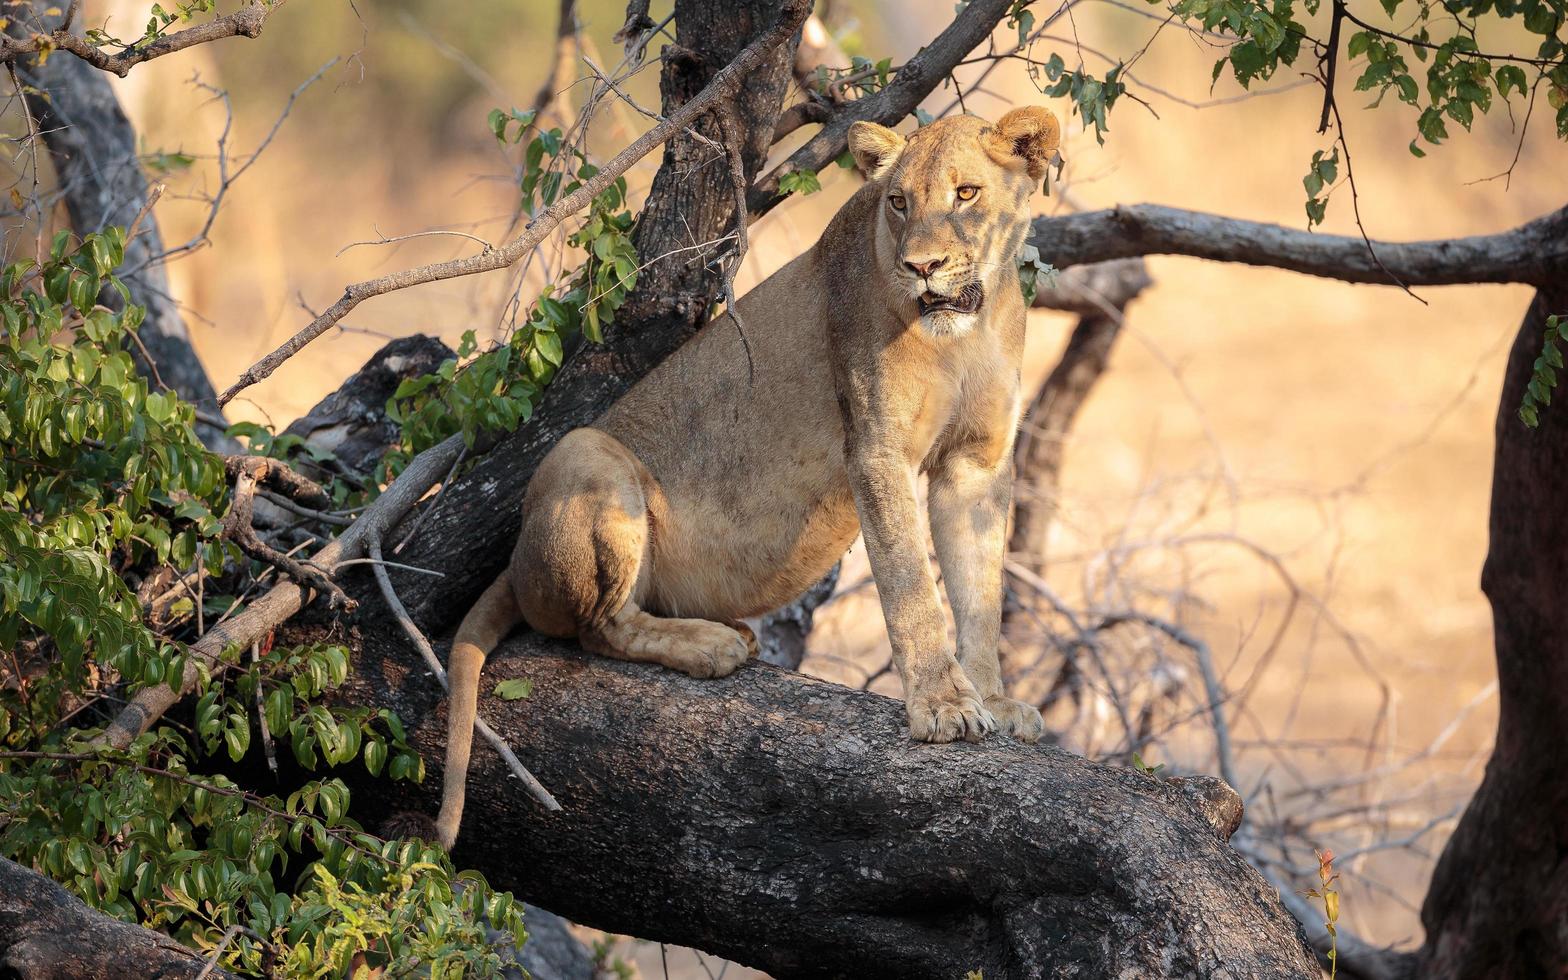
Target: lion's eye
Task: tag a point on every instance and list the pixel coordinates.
(897, 200)
(967, 192)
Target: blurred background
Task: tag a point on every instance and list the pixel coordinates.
(1295, 469)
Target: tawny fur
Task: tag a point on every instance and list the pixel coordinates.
(725, 483)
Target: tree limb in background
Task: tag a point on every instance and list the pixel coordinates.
(724, 83)
(1100, 294)
(1533, 253)
(553, 99)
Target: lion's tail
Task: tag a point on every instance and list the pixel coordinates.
(491, 618)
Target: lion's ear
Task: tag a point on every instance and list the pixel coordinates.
(876, 148)
(1028, 136)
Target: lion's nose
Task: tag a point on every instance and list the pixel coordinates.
(924, 269)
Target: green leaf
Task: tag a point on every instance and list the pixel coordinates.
(375, 756)
(514, 689)
(800, 181)
(548, 343)
(1510, 77)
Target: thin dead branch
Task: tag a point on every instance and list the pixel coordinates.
(237, 527)
(406, 622)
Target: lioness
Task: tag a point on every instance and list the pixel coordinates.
(726, 482)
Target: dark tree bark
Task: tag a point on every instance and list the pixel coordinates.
(1498, 902)
(352, 421)
(93, 148)
(782, 639)
(691, 202)
(792, 825)
(48, 934)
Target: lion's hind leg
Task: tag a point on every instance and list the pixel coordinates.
(698, 647)
(585, 560)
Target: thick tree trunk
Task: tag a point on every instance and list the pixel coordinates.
(1498, 903)
(46, 933)
(96, 161)
(792, 825)
(691, 202)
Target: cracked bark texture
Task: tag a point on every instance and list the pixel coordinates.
(792, 825)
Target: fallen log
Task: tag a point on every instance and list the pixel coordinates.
(792, 825)
(46, 933)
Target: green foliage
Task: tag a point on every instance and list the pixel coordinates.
(1322, 174)
(1461, 80)
(514, 689)
(1543, 374)
(1329, 896)
(1145, 768)
(496, 389)
(98, 475)
(103, 480)
(1092, 98)
(801, 181)
(863, 77)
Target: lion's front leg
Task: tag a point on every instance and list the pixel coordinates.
(941, 702)
(969, 498)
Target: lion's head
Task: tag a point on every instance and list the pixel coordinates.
(953, 212)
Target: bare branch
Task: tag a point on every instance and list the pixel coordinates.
(237, 527)
(404, 620)
(723, 84)
(914, 81)
(1532, 253)
(244, 22)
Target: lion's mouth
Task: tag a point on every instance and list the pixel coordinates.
(967, 300)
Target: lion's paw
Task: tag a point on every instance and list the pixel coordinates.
(947, 712)
(1016, 718)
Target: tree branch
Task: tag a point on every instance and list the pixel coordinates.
(792, 825)
(244, 22)
(48, 934)
(1532, 253)
(914, 81)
